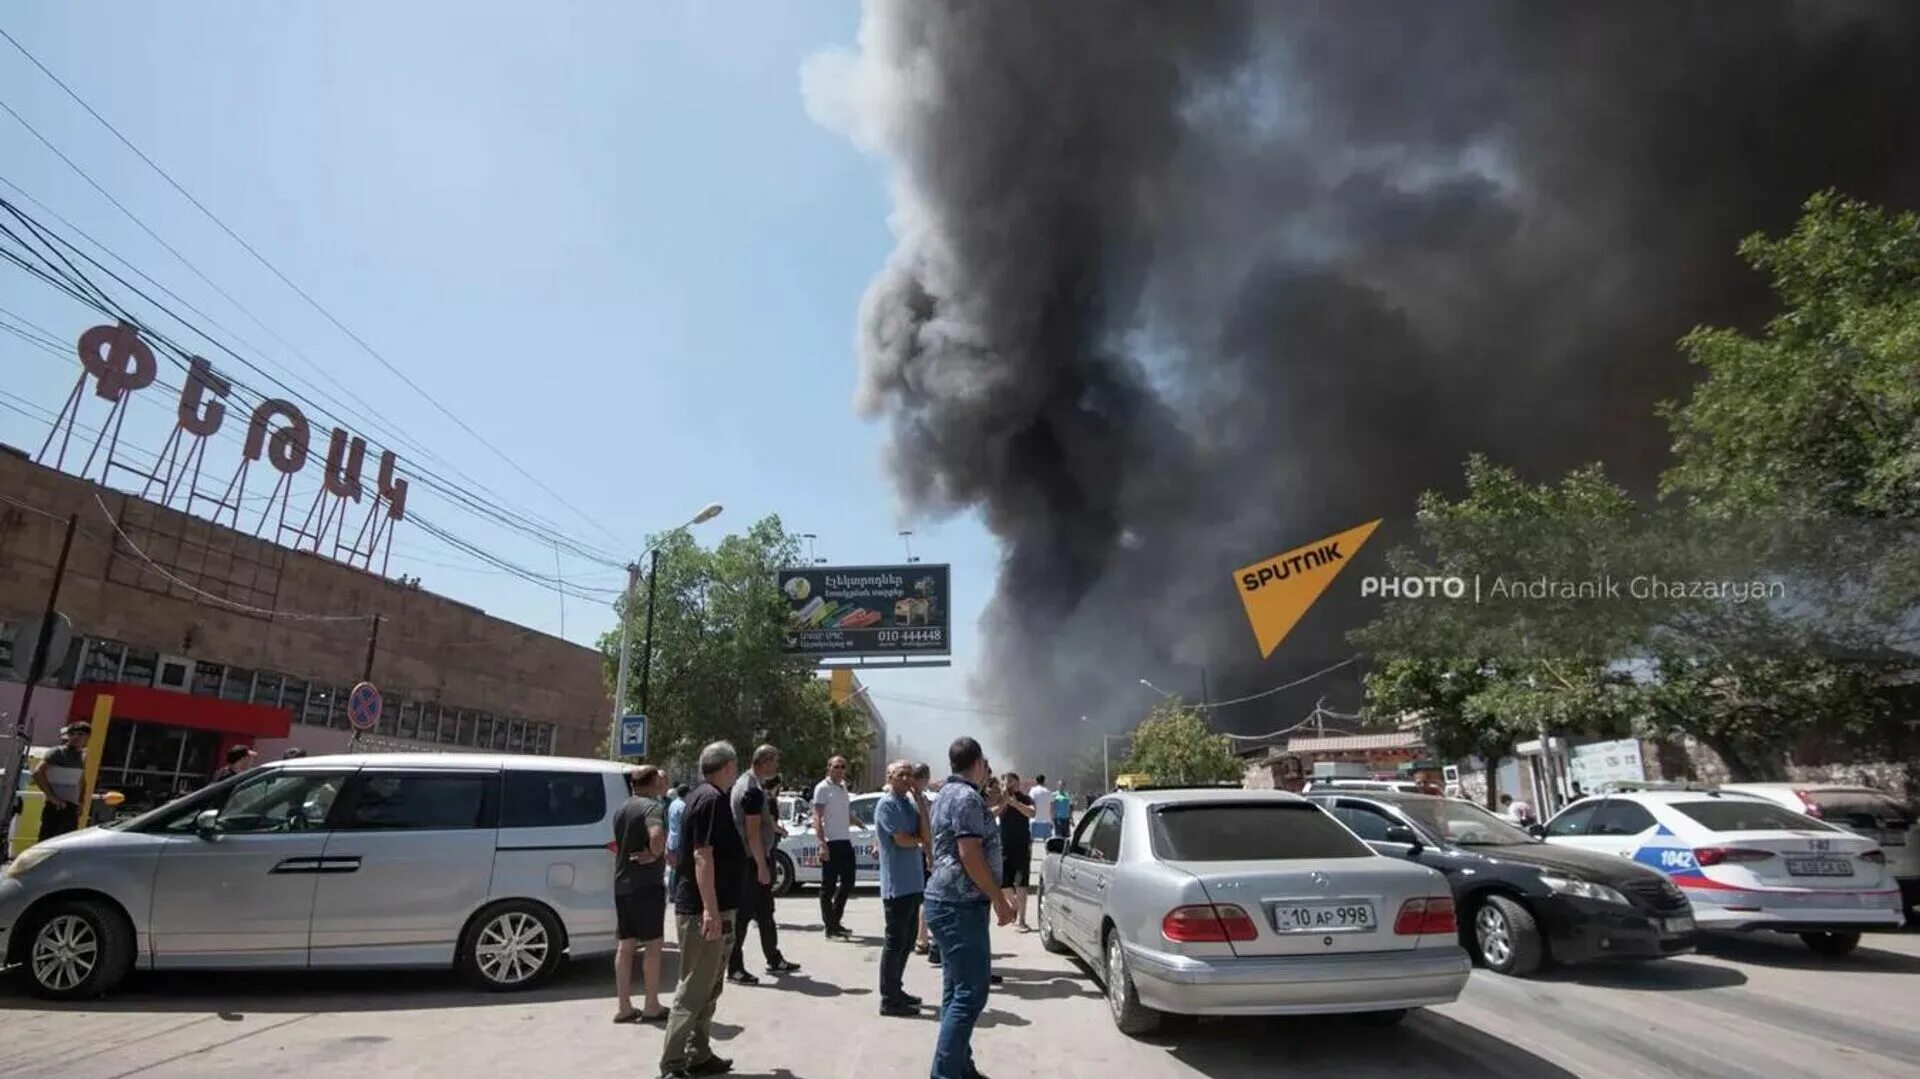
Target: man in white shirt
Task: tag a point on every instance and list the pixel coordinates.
(1042, 796)
(833, 826)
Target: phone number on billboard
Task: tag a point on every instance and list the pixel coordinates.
(909, 636)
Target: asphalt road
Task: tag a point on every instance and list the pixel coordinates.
(1742, 1008)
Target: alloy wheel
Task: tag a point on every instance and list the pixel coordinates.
(512, 948)
(65, 952)
(1496, 939)
(1116, 977)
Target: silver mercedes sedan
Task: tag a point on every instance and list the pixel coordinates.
(1245, 902)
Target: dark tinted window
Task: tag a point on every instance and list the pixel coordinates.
(418, 801)
(1620, 818)
(1250, 832)
(1861, 809)
(1574, 821)
(1747, 815)
(1367, 823)
(551, 799)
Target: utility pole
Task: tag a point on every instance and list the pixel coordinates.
(22, 731)
(620, 679)
(646, 656)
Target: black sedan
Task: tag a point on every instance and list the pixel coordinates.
(1521, 902)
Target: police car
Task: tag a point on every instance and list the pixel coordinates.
(1746, 863)
(796, 861)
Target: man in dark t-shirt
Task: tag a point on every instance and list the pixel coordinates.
(1016, 844)
(713, 864)
(640, 892)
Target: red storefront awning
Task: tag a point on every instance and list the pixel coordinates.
(149, 705)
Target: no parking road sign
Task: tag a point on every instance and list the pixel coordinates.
(363, 706)
(633, 736)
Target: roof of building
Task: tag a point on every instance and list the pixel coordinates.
(1351, 742)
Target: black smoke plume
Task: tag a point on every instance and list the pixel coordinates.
(1183, 284)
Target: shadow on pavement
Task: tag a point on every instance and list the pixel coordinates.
(1426, 1044)
(813, 987)
(232, 995)
(998, 1017)
(1025, 983)
(1658, 975)
(1781, 950)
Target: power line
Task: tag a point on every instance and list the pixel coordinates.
(284, 279)
(1348, 662)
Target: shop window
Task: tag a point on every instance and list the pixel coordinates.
(293, 696)
(207, 678)
(482, 731)
(266, 688)
(451, 729)
(516, 736)
(139, 666)
(432, 721)
(389, 716)
(408, 721)
(7, 630)
(540, 738)
(337, 710)
(319, 703)
(238, 685)
(103, 660)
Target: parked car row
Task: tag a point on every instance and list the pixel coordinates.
(1210, 902)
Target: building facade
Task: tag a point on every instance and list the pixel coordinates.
(207, 637)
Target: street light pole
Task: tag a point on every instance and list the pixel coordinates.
(646, 663)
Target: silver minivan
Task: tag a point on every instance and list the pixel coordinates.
(497, 865)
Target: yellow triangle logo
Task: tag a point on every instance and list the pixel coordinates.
(1277, 591)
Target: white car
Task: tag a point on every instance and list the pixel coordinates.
(1862, 810)
(797, 860)
(1745, 863)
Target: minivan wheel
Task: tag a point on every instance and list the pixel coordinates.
(78, 949)
(511, 946)
(1832, 945)
(782, 873)
(1131, 1016)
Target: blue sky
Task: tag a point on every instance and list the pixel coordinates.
(606, 236)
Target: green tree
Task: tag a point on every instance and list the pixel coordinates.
(718, 667)
(1174, 745)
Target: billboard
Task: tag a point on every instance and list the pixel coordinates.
(867, 610)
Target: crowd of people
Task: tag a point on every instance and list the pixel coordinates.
(955, 857)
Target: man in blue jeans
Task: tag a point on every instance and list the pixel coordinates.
(965, 883)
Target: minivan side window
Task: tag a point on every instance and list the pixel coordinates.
(420, 801)
(276, 801)
(531, 799)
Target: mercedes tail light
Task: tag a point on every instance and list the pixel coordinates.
(1877, 857)
(1707, 856)
(1420, 917)
(1208, 924)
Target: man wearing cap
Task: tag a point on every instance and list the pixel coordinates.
(62, 776)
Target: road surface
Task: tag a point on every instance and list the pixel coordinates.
(1740, 1009)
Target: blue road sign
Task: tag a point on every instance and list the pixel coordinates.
(633, 736)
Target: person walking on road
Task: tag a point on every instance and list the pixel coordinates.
(755, 814)
(899, 825)
(833, 825)
(1042, 797)
(1062, 812)
(714, 858)
(640, 892)
(61, 776)
(1016, 846)
(964, 886)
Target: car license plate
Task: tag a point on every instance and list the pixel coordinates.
(1676, 926)
(1819, 867)
(1348, 917)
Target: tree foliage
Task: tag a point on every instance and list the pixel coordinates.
(1174, 745)
(718, 670)
(1796, 460)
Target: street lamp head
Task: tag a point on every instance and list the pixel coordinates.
(708, 514)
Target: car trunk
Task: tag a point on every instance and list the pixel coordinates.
(1324, 907)
(1820, 861)
(1877, 816)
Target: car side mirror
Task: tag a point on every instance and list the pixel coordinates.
(1400, 833)
(206, 823)
(1537, 831)
(1056, 845)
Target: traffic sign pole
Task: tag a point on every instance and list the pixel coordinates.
(16, 746)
